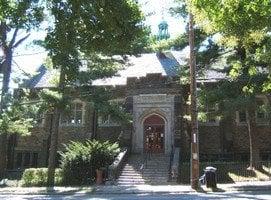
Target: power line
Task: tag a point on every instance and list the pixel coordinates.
(21, 69)
(29, 54)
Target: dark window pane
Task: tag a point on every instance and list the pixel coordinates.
(35, 160)
(78, 117)
(19, 160)
(242, 116)
(260, 115)
(26, 159)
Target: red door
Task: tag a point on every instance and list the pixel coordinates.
(154, 134)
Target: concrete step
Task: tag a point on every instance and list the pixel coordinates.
(154, 171)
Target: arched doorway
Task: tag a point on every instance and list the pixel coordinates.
(154, 134)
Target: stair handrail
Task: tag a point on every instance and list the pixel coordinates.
(146, 156)
(115, 168)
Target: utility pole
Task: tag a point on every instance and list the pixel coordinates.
(194, 171)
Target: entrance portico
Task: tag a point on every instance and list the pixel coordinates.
(149, 109)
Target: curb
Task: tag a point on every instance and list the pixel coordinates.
(42, 192)
(119, 191)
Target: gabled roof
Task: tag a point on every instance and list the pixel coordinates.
(167, 64)
(139, 66)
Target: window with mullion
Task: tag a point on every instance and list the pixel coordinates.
(74, 116)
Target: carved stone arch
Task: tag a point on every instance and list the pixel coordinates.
(146, 105)
(148, 113)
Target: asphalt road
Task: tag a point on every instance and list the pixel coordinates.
(255, 195)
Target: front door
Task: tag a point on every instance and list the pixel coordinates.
(154, 134)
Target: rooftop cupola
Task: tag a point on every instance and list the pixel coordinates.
(163, 33)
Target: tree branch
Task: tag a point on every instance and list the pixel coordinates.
(3, 32)
(20, 41)
(13, 38)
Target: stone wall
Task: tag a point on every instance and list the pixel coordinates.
(241, 139)
(225, 137)
(38, 140)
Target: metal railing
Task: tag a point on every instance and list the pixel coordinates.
(146, 156)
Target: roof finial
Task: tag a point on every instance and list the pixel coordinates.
(163, 33)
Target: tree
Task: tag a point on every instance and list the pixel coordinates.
(243, 27)
(85, 28)
(15, 16)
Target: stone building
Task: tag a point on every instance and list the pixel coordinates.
(149, 88)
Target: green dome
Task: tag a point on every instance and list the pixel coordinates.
(163, 24)
(163, 30)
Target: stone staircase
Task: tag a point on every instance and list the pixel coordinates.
(152, 170)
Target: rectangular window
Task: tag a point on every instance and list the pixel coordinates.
(74, 115)
(210, 112)
(26, 159)
(242, 117)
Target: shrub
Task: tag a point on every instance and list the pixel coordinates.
(80, 160)
(38, 177)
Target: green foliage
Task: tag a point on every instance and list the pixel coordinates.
(21, 14)
(242, 21)
(91, 33)
(103, 102)
(103, 27)
(80, 160)
(243, 28)
(51, 98)
(18, 116)
(232, 95)
(38, 177)
(98, 66)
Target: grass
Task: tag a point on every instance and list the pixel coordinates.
(230, 172)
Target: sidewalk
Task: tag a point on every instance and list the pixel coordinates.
(139, 189)
(240, 186)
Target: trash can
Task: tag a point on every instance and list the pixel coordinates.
(210, 177)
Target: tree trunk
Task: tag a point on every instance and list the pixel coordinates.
(253, 140)
(193, 109)
(3, 154)
(54, 135)
(53, 148)
(94, 124)
(6, 67)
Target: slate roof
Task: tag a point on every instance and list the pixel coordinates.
(137, 66)
(140, 66)
(43, 78)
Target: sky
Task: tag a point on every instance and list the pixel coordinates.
(29, 57)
